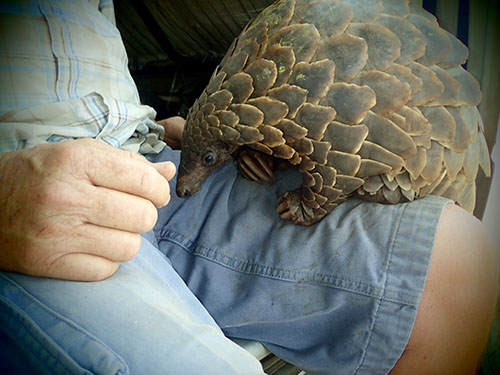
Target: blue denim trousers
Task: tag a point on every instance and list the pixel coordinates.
(339, 297)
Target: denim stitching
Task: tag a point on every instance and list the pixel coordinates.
(382, 299)
(9, 312)
(248, 267)
(71, 324)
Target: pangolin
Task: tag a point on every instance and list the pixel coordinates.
(364, 97)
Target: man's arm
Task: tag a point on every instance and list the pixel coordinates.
(75, 209)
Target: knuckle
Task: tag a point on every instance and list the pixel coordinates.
(147, 181)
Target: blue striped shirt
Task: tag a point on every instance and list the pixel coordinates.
(64, 75)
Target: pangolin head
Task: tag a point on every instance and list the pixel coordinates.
(201, 153)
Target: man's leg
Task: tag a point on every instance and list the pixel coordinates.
(142, 320)
(458, 301)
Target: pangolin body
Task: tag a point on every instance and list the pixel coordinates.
(364, 97)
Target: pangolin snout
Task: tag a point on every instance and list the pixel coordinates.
(186, 186)
(184, 191)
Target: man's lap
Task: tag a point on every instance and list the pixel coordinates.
(340, 295)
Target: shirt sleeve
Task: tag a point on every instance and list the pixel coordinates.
(65, 75)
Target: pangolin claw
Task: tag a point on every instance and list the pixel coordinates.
(256, 166)
(291, 207)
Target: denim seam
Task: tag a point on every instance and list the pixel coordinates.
(382, 299)
(9, 312)
(251, 268)
(56, 316)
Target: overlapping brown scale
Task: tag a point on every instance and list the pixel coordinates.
(221, 99)
(467, 199)
(372, 184)
(240, 85)
(373, 151)
(291, 130)
(443, 125)
(471, 117)
(396, 7)
(391, 93)
(330, 17)
(343, 162)
(451, 88)
(329, 173)
(228, 118)
(272, 137)
(215, 82)
(365, 10)
(431, 185)
(469, 90)
(369, 168)
(384, 47)
(293, 96)
(462, 137)
(416, 8)
(404, 74)
(315, 78)
(274, 110)
(229, 133)
(348, 184)
(320, 151)
(306, 164)
(350, 101)
(432, 87)
(248, 114)
(284, 59)
(303, 38)
(315, 118)
(484, 155)
(257, 30)
(278, 14)
(333, 87)
(422, 140)
(414, 122)
(392, 196)
(235, 63)
(458, 54)
(438, 44)
(456, 188)
(249, 134)
(249, 47)
(385, 133)
(434, 163)
(349, 53)
(303, 146)
(471, 162)
(212, 120)
(283, 152)
(346, 138)
(453, 162)
(412, 40)
(264, 74)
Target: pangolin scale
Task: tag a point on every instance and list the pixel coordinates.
(363, 97)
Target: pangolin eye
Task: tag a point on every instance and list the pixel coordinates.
(209, 158)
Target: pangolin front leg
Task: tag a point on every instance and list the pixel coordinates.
(255, 166)
(314, 199)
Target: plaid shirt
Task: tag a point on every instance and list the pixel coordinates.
(63, 74)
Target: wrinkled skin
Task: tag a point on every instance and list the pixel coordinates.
(197, 162)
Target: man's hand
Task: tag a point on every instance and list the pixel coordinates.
(174, 126)
(74, 209)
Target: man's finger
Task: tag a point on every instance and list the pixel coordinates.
(115, 209)
(130, 173)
